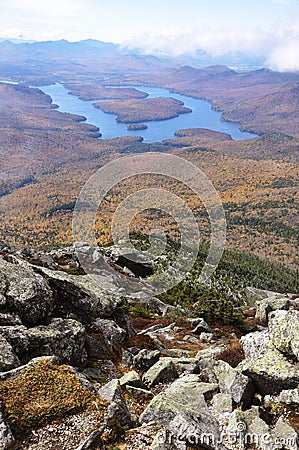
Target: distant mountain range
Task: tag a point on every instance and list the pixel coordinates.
(34, 57)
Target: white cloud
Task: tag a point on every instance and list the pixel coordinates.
(215, 43)
(278, 47)
(285, 57)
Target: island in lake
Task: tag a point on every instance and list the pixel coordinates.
(137, 126)
(143, 110)
(93, 90)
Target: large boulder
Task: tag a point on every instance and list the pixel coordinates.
(267, 305)
(163, 370)
(182, 408)
(246, 429)
(64, 338)
(131, 378)
(25, 292)
(206, 360)
(118, 412)
(254, 295)
(146, 359)
(270, 371)
(254, 343)
(112, 332)
(271, 355)
(80, 296)
(288, 396)
(283, 434)
(284, 331)
(222, 403)
(201, 326)
(233, 382)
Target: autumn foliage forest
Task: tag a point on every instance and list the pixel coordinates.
(47, 156)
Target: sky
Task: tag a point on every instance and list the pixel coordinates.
(260, 28)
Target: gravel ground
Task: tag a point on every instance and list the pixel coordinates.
(66, 435)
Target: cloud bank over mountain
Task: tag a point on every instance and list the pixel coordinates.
(277, 48)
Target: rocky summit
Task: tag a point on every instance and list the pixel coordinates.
(84, 365)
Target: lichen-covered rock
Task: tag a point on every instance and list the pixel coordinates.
(284, 331)
(253, 295)
(201, 326)
(284, 434)
(234, 383)
(289, 397)
(26, 292)
(177, 398)
(131, 378)
(7, 439)
(206, 337)
(179, 352)
(205, 362)
(267, 305)
(118, 411)
(80, 296)
(97, 347)
(208, 390)
(254, 343)
(111, 391)
(183, 409)
(112, 332)
(183, 364)
(210, 352)
(222, 403)
(152, 328)
(271, 372)
(64, 338)
(8, 359)
(190, 338)
(146, 359)
(163, 370)
(247, 428)
(127, 358)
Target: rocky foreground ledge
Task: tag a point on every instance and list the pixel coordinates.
(176, 384)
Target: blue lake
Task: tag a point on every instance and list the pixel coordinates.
(202, 116)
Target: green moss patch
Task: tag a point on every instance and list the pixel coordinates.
(44, 392)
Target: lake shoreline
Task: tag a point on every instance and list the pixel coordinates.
(202, 115)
